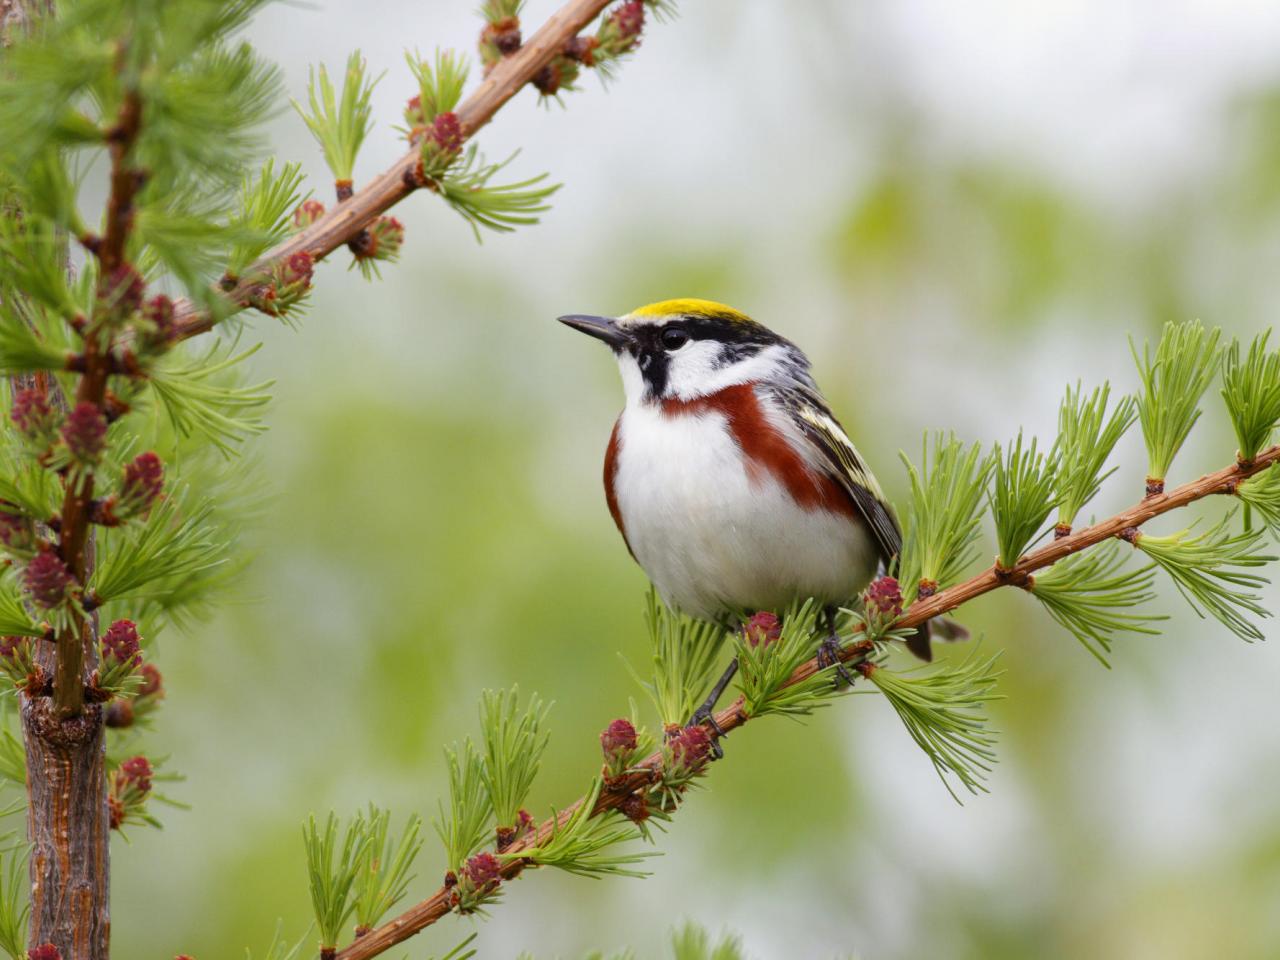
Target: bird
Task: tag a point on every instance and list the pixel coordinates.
(732, 483)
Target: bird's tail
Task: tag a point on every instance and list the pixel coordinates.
(921, 643)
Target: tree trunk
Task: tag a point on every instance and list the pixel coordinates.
(69, 828)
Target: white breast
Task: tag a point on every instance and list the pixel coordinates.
(715, 541)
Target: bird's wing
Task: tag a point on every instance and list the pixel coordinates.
(844, 463)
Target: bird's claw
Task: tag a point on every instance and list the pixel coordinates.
(705, 715)
(829, 654)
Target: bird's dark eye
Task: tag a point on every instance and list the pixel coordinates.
(673, 338)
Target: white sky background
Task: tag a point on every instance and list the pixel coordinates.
(731, 131)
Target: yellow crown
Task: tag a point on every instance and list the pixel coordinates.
(689, 305)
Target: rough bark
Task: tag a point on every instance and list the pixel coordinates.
(68, 820)
(69, 829)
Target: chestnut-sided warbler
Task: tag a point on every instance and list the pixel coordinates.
(729, 478)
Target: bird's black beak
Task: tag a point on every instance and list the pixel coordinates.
(602, 328)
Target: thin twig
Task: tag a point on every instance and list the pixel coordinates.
(423, 914)
(346, 220)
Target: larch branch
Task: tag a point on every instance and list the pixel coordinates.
(425, 913)
(347, 219)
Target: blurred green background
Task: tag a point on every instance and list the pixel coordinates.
(955, 210)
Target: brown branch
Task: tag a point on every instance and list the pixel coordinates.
(68, 682)
(125, 181)
(346, 220)
(1222, 481)
(423, 914)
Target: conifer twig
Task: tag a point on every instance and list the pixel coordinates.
(426, 912)
(346, 220)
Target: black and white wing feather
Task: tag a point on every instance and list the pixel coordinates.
(844, 463)
(836, 451)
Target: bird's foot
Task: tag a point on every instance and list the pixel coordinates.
(705, 715)
(829, 654)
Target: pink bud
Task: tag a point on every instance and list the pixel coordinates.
(47, 579)
(152, 681)
(690, 747)
(884, 596)
(142, 483)
(762, 628)
(136, 772)
(308, 212)
(34, 416)
(413, 114)
(85, 433)
(46, 951)
(158, 314)
(482, 871)
(635, 808)
(386, 234)
(121, 643)
(628, 19)
(298, 269)
(445, 134)
(289, 282)
(618, 741)
(17, 532)
(13, 647)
